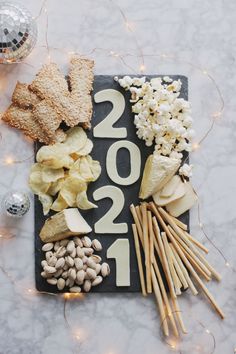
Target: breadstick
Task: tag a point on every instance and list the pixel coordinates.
(139, 259)
(159, 302)
(179, 223)
(196, 242)
(163, 257)
(199, 265)
(178, 269)
(164, 295)
(137, 208)
(175, 278)
(178, 315)
(151, 236)
(136, 220)
(184, 271)
(146, 247)
(189, 266)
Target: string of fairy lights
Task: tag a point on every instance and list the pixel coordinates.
(10, 160)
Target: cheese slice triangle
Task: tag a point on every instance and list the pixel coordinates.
(158, 171)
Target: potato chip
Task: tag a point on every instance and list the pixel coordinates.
(96, 169)
(51, 175)
(59, 204)
(82, 201)
(55, 187)
(85, 169)
(70, 188)
(86, 149)
(46, 201)
(55, 156)
(36, 183)
(76, 139)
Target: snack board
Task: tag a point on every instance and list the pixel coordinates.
(111, 195)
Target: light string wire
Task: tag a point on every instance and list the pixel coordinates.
(142, 68)
(174, 342)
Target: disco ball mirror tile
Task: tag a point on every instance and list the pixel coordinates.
(18, 32)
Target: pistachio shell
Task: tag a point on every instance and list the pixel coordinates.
(61, 283)
(105, 269)
(86, 241)
(80, 252)
(52, 281)
(78, 263)
(97, 280)
(88, 251)
(47, 247)
(91, 273)
(75, 289)
(78, 241)
(49, 269)
(60, 263)
(97, 246)
(52, 261)
(87, 286)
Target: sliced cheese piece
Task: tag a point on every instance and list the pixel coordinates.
(170, 187)
(178, 193)
(158, 171)
(66, 223)
(179, 206)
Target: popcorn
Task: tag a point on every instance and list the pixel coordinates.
(186, 170)
(161, 117)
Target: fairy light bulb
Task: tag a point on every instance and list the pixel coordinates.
(9, 160)
(142, 68)
(195, 146)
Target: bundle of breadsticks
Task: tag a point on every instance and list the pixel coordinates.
(39, 108)
(174, 261)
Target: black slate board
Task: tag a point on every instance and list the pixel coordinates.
(99, 151)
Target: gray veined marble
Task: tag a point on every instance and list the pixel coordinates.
(200, 33)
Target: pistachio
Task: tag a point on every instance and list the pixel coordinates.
(72, 273)
(45, 275)
(98, 268)
(86, 241)
(69, 261)
(95, 258)
(91, 273)
(47, 247)
(52, 261)
(69, 282)
(66, 267)
(84, 259)
(97, 280)
(91, 263)
(64, 274)
(85, 266)
(61, 283)
(44, 263)
(80, 276)
(88, 251)
(80, 252)
(70, 246)
(75, 289)
(105, 269)
(49, 269)
(78, 263)
(87, 286)
(58, 273)
(60, 252)
(64, 242)
(77, 241)
(60, 263)
(48, 255)
(97, 246)
(52, 281)
(56, 245)
(73, 253)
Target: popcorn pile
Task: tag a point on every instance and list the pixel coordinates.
(161, 117)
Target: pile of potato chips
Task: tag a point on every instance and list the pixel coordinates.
(63, 171)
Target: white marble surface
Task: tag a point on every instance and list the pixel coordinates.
(199, 32)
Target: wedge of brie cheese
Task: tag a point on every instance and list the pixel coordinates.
(177, 193)
(66, 223)
(179, 206)
(157, 172)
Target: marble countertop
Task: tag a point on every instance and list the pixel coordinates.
(193, 34)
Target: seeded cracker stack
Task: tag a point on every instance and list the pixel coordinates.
(39, 109)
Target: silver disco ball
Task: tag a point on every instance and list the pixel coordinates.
(18, 32)
(16, 203)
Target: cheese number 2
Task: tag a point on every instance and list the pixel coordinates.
(105, 128)
(105, 225)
